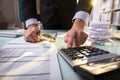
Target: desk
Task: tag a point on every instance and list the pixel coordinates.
(9, 35)
(66, 71)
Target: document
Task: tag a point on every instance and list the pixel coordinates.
(12, 34)
(21, 60)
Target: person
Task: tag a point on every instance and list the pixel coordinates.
(69, 15)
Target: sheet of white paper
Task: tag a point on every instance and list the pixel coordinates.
(20, 60)
(31, 77)
(54, 67)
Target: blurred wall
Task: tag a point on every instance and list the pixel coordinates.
(9, 14)
(9, 10)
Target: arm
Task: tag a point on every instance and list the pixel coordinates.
(84, 5)
(76, 35)
(29, 9)
(30, 14)
(83, 9)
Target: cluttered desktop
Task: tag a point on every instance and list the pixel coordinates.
(51, 60)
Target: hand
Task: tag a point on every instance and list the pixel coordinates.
(76, 35)
(31, 34)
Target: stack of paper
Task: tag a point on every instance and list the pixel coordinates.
(20, 60)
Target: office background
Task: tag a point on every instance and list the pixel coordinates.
(104, 10)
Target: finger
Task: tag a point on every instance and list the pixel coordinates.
(74, 43)
(79, 38)
(66, 38)
(35, 37)
(31, 39)
(84, 39)
(28, 36)
(70, 40)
